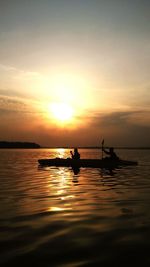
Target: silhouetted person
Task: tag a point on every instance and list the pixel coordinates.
(111, 153)
(76, 154)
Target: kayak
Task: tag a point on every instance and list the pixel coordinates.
(88, 163)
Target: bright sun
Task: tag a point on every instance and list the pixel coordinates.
(61, 111)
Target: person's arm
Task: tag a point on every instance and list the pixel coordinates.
(107, 152)
(71, 154)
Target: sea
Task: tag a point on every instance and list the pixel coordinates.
(53, 216)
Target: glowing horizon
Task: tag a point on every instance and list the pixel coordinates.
(90, 59)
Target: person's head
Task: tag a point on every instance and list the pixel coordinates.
(75, 150)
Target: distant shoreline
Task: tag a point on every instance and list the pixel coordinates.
(27, 145)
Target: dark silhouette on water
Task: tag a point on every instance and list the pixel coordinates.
(111, 153)
(5, 144)
(76, 154)
(107, 171)
(76, 170)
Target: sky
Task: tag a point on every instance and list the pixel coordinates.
(75, 72)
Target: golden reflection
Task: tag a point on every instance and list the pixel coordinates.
(61, 152)
(67, 197)
(58, 209)
(59, 186)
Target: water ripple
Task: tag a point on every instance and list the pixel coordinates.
(58, 218)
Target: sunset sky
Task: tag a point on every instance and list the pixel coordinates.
(75, 72)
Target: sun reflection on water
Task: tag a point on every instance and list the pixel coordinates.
(61, 152)
(59, 209)
(60, 184)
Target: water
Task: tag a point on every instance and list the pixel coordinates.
(53, 217)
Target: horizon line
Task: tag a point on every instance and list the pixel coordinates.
(97, 147)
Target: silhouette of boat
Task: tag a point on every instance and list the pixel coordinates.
(88, 163)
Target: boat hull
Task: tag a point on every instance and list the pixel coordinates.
(88, 163)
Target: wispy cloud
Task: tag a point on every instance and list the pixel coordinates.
(19, 72)
(7, 68)
(13, 104)
(121, 118)
(17, 104)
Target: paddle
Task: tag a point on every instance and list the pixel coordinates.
(102, 147)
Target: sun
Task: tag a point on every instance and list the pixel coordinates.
(62, 112)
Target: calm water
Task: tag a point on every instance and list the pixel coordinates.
(53, 217)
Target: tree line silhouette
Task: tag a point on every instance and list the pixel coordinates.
(6, 144)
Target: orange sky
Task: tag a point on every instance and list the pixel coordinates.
(73, 73)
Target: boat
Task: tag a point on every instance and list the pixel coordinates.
(87, 163)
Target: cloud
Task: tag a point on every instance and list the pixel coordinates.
(21, 119)
(122, 128)
(140, 118)
(18, 105)
(13, 73)
(8, 92)
(121, 118)
(7, 68)
(13, 104)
